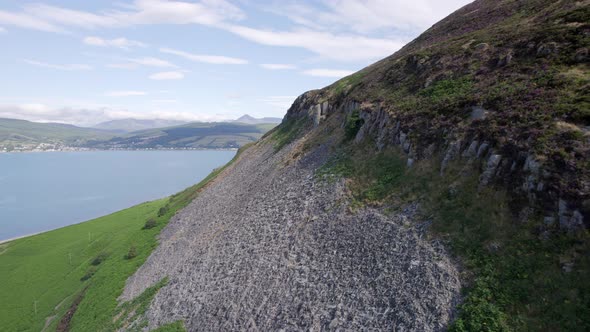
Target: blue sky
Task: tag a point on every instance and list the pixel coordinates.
(84, 62)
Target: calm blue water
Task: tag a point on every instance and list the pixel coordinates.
(43, 191)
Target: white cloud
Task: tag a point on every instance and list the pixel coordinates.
(165, 101)
(121, 42)
(321, 72)
(26, 21)
(88, 116)
(212, 59)
(277, 66)
(368, 15)
(280, 102)
(325, 44)
(167, 75)
(2, 30)
(127, 93)
(57, 19)
(152, 62)
(67, 67)
(146, 61)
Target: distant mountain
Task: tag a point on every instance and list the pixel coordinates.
(129, 125)
(195, 135)
(252, 120)
(26, 135)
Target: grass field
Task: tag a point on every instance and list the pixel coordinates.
(87, 264)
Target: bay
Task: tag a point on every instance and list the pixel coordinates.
(43, 191)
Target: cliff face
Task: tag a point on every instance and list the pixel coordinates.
(283, 239)
(500, 82)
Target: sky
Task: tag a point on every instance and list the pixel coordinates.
(85, 62)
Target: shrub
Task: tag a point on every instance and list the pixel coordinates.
(150, 223)
(163, 210)
(91, 271)
(132, 253)
(353, 125)
(99, 259)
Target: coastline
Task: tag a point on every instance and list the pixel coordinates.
(22, 237)
(106, 150)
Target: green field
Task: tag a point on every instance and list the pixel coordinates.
(41, 276)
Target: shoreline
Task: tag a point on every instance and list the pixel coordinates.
(111, 150)
(22, 237)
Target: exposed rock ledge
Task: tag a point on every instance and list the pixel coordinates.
(268, 247)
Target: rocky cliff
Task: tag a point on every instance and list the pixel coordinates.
(491, 105)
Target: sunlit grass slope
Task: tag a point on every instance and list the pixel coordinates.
(81, 268)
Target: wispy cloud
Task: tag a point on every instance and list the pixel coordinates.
(167, 75)
(66, 67)
(367, 16)
(127, 93)
(58, 19)
(277, 66)
(322, 72)
(212, 59)
(87, 116)
(2, 30)
(133, 63)
(280, 102)
(165, 101)
(121, 42)
(326, 44)
(26, 21)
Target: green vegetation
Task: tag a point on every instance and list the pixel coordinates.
(516, 281)
(131, 312)
(17, 133)
(288, 131)
(352, 125)
(198, 135)
(81, 269)
(343, 85)
(151, 222)
(25, 135)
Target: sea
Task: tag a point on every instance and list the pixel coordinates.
(41, 191)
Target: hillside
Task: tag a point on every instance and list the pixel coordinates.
(21, 134)
(252, 120)
(446, 187)
(197, 135)
(129, 125)
(460, 163)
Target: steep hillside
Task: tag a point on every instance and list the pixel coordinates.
(201, 135)
(460, 162)
(17, 134)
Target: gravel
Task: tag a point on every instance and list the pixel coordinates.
(268, 246)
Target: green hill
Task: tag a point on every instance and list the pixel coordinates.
(26, 134)
(197, 135)
(82, 268)
(21, 135)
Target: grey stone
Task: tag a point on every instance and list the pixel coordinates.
(483, 148)
(490, 169)
(478, 113)
(268, 246)
(452, 152)
(471, 151)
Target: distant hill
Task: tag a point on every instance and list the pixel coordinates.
(22, 134)
(196, 135)
(252, 120)
(129, 125)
